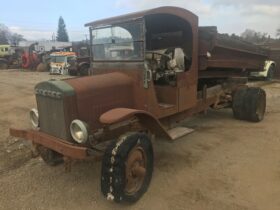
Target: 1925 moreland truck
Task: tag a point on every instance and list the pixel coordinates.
(168, 70)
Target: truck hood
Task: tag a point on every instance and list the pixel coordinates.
(100, 93)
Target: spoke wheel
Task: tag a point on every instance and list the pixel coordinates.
(127, 168)
(135, 170)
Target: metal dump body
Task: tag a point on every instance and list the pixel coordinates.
(222, 55)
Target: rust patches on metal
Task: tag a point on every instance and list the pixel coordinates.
(65, 148)
(146, 119)
(135, 170)
(98, 94)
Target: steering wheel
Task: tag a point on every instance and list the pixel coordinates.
(158, 53)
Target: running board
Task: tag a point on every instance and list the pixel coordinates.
(178, 132)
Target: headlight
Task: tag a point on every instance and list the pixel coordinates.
(34, 118)
(79, 131)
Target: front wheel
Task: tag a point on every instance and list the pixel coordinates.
(3, 65)
(84, 70)
(49, 156)
(127, 168)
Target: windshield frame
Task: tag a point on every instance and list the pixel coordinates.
(58, 56)
(141, 41)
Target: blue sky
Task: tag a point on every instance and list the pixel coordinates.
(38, 19)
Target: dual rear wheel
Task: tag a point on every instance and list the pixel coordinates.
(249, 104)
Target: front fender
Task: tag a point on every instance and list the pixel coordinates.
(145, 118)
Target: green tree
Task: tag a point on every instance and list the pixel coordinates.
(8, 37)
(3, 37)
(16, 38)
(62, 35)
(4, 34)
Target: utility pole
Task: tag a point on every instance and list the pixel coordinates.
(53, 37)
(86, 38)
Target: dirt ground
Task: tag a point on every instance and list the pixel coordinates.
(225, 164)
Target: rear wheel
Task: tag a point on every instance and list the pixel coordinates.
(84, 70)
(249, 104)
(3, 65)
(127, 168)
(255, 104)
(238, 103)
(72, 72)
(49, 156)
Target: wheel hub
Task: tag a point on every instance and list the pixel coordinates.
(135, 170)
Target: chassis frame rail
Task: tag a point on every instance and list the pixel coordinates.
(65, 148)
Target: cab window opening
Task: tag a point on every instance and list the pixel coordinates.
(169, 47)
(118, 42)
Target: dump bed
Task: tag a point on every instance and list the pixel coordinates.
(221, 55)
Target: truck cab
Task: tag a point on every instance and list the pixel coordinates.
(5, 50)
(61, 61)
(5, 53)
(145, 80)
(159, 51)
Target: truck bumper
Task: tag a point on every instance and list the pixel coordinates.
(65, 148)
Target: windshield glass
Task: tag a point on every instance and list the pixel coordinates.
(57, 59)
(120, 42)
(71, 58)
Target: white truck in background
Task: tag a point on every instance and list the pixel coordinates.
(268, 72)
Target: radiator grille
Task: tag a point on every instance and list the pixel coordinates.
(52, 118)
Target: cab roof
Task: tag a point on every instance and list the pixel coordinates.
(177, 11)
(63, 54)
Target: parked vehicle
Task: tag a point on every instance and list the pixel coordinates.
(174, 70)
(29, 57)
(9, 57)
(4, 54)
(81, 67)
(61, 61)
(268, 72)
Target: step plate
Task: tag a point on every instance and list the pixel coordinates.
(179, 132)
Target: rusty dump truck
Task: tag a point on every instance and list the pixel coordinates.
(151, 70)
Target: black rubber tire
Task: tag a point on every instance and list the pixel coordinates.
(249, 104)
(84, 70)
(49, 156)
(3, 65)
(113, 172)
(255, 104)
(270, 74)
(72, 72)
(238, 104)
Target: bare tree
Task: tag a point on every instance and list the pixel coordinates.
(7, 37)
(278, 33)
(15, 38)
(254, 36)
